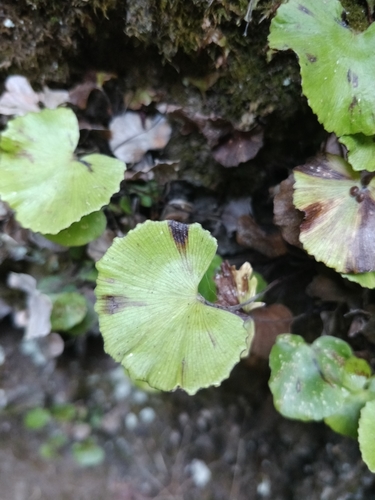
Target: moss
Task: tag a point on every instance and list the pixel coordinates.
(356, 14)
(44, 34)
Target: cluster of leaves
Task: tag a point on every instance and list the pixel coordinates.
(60, 419)
(41, 146)
(152, 317)
(325, 381)
(337, 195)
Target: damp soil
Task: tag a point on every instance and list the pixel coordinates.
(153, 442)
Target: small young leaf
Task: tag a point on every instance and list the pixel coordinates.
(87, 453)
(42, 180)
(338, 227)
(64, 412)
(337, 64)
(307, 382)
(361, 151)
(79, 233)
(87, 323)
(150, 313)
(37, 418)
(366, 434)
(69, 309)
(207, 286)
(50, 449)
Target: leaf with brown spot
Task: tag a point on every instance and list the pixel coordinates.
(151, 315)
(339, 206)
(337, 63)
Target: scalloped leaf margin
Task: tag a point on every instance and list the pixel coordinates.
(42, 180)
(151, 316)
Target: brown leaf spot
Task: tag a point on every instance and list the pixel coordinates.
(305, 10)
(353, 104)
(312, 212)
(311, 58)
(180, 234)
(113, 304)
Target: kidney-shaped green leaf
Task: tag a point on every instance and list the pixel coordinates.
(87, 229)
(339, 206)
(42, 180)
(150, 313)
(366, 435)
(314, 382)
(337, 64)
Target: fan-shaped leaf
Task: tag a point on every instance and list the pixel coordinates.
(42, 180)
(69, 309)
(337, 64)
(79, 233)
(339, 224)
(150, 313)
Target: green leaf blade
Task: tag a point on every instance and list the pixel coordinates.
(366, 434)
(332, 57)
(305, 380)
(338, 226)
(41, 179)
(150, 313)
(87, 229)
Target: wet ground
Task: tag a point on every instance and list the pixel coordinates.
(225, 443)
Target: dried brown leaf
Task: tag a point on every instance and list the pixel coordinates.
(286, 216)
(251, 235)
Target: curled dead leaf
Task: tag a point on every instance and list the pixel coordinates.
(132, 136)
(270, 321)
(239, 147)
(251, 235)
(286, 216)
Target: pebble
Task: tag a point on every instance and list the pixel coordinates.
(140, 397)
(200, 473)
(147, 415)
(131, 421)
(8, 23)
